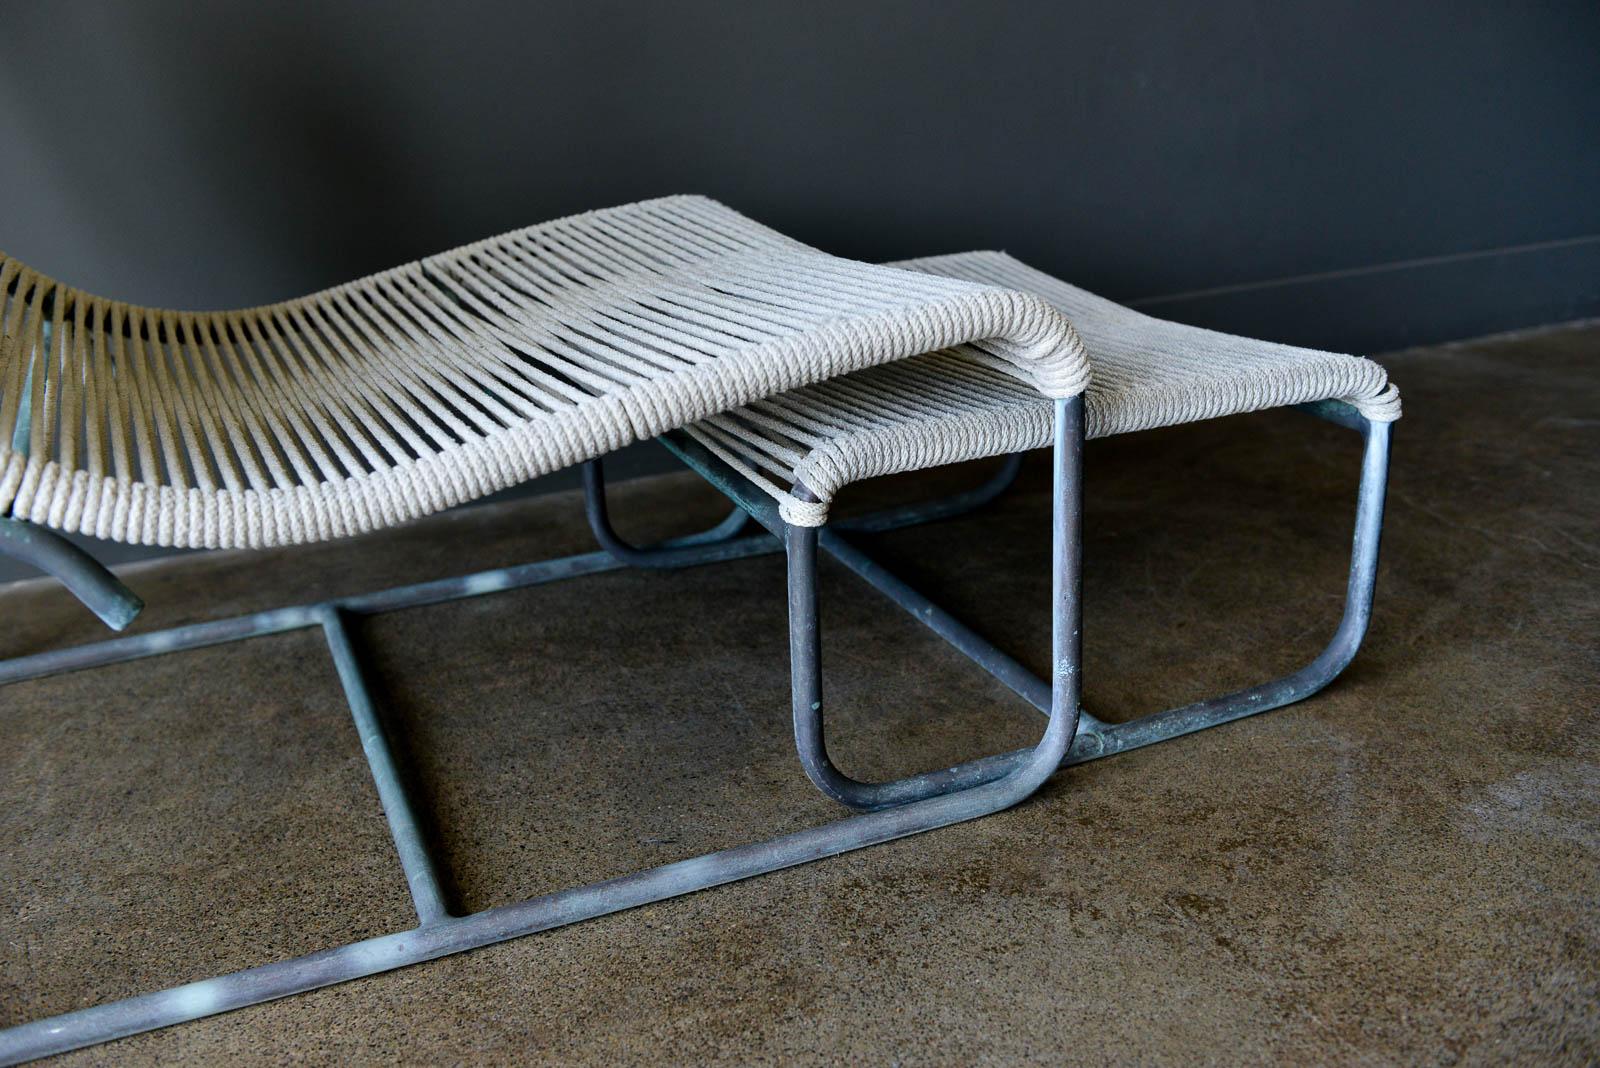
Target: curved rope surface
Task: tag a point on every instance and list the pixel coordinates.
(964, 404)
(446, 379)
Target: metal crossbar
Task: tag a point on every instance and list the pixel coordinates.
(891, 810)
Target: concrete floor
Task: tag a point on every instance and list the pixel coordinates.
(1405, 868)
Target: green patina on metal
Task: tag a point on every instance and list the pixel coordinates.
(88, 579)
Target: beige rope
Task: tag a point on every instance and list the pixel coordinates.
(965, 403)
(450, 378)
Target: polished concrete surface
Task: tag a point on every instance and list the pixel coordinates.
(1405, 868)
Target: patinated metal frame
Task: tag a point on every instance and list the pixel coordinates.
(888, 810)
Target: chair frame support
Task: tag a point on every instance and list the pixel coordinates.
(889, 810)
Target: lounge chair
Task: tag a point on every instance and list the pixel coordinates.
(775, 371)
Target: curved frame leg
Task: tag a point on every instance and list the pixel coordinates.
(806, 660)
(85, 577)
(1328, 664)
(675, 552)
(1096, 739)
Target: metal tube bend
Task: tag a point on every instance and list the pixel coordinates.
(675, 552)
(84, 577)
(1015, 768)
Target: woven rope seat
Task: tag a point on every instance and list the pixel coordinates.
(449, 378)
(964, 404)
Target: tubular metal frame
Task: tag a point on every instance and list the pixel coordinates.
(890, 810)
(1094, 738)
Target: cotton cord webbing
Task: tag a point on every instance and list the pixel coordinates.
(964, 404)
(452, 377)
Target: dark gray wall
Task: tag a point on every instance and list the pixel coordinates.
(206, 154)
(1357, 176)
